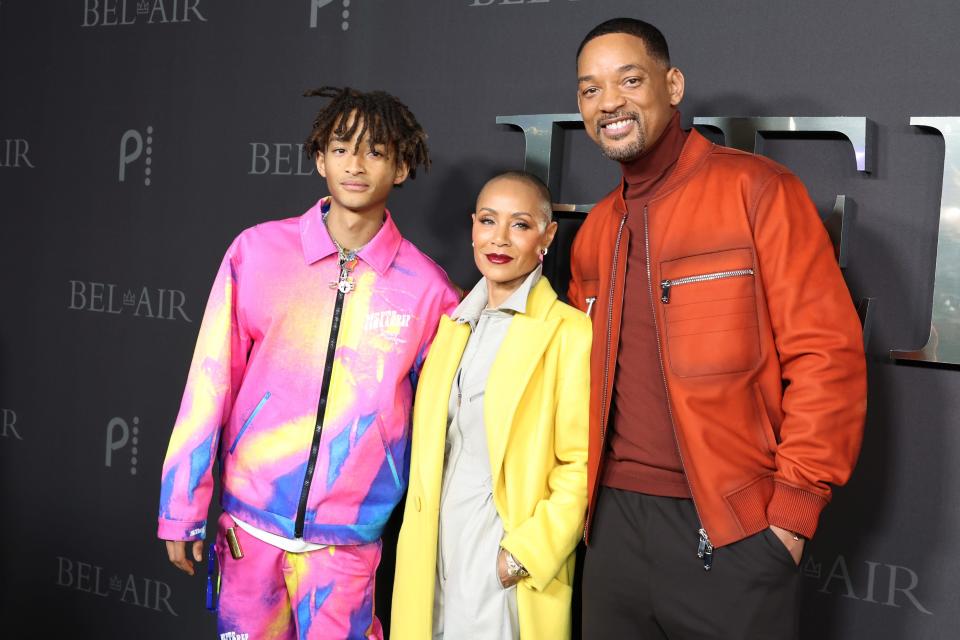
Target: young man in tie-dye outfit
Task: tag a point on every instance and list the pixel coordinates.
(301, 388)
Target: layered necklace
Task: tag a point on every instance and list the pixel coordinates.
(347, 260)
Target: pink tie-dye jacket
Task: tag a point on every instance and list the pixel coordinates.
(255, 382)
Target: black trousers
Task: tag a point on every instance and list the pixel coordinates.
(642, 578)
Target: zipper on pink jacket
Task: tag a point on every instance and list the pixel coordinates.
(322, 405)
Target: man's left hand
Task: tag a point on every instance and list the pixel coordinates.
(795, 547)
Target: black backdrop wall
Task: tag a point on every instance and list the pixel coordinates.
(138, 137)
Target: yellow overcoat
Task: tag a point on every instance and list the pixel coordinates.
(536, 416)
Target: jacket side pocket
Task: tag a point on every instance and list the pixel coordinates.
(766, 426)
(389, 455)
(249, 420)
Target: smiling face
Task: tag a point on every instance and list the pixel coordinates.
(510, 231)
(359, 177)
(626, 97)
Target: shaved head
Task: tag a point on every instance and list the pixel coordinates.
(545, 201)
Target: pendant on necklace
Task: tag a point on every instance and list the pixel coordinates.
(344, 285)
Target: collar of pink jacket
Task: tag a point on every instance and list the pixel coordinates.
(317, 243)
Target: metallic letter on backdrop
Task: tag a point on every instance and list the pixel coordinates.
(543, 136)
(742, 133)
(943, 342)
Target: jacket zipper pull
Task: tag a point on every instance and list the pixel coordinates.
(705, 550)
(665, 293)
(590, 302)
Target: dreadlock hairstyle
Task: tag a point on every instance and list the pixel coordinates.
(377, 114)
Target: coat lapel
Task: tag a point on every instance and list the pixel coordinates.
(526, 340)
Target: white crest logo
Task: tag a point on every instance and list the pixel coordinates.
(389, 319)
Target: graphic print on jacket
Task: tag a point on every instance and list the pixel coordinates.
(257, 372)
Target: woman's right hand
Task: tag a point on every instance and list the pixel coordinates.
(506, 580)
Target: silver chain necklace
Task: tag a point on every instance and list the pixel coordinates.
(347, 261)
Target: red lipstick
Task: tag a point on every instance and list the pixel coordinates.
(498, 258)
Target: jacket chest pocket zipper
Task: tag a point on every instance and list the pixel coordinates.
(667, 285)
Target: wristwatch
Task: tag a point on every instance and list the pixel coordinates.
(514, 568)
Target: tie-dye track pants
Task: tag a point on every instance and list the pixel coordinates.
(272, 594)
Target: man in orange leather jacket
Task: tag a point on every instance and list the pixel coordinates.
(729, 382)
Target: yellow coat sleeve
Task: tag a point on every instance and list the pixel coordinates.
(544, 542)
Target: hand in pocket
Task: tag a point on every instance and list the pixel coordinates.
(794, 546)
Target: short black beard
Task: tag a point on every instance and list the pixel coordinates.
(633, 150)
(628, 153)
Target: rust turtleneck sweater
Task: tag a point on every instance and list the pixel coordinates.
(643, 454)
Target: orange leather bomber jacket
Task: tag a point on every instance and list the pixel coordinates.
(761, 349)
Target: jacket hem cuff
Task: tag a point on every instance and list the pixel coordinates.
(181, 529)
(795, 510)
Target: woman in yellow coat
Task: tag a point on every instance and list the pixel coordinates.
(497, 490)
